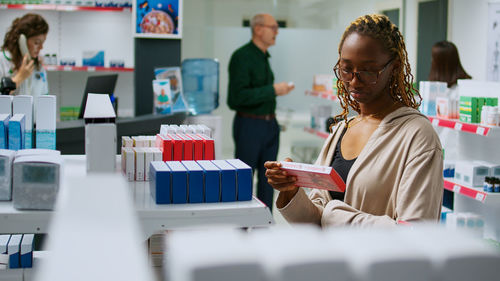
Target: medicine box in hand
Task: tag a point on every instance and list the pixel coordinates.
(314, 176)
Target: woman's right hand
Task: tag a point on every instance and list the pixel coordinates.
(280, 181)
(24, 71)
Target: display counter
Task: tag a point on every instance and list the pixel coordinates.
(70, 135)
(152, 217)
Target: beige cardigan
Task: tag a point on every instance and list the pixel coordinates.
(397, 176)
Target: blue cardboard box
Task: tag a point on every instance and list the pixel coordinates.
(179, 182)
(244, 177)
(195, 181)
(4, 131)
(227, 181)
(211, 180)
(13, 251)
(16, 132)
(27, 250)
(159, 182)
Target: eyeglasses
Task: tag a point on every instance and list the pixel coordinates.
(367, 77)
(272, 27)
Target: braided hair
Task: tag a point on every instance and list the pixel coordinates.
(401, 85)
(30, 25)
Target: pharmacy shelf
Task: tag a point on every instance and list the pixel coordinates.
(323, 135)
(152, 217)
(87, 68)
(461, 126)
(472, 192)
(62, 8)
(322, 94)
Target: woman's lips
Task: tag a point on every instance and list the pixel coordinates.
(356, 94)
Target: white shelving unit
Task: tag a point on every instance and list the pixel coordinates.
(152, 217)
(475, 142)
(75, 29)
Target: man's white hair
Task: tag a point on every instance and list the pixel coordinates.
(258, 19)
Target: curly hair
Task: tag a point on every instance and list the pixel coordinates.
(401, 87)
(30, 25)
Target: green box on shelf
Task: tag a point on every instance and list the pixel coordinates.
(491, 101)
(470, 109)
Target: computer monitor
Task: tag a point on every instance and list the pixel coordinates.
(102, 84)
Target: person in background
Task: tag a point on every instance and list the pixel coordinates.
(389, 154)
(446, 66)
(252, 94)
(24, 72)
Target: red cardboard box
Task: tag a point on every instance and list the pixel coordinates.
(166, 146)
(197, 146)
(314, 176)
(208, 147)
(178, 147)
(188, 147)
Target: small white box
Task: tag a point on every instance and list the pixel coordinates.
(100, 147)
(186, 129)
(45, 118)
(23, 104)
(148, 158)
(157, 154)
(6, 104)
(139, 163)
(493, 169)
(127, 141)
(129, 158)
(470, 173)
(36, 151)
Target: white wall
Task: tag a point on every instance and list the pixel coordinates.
(467, 28)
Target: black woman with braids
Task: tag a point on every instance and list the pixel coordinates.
(389, 155)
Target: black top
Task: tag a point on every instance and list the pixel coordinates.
(342, 166)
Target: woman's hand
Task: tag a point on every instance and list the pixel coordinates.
(280, 181)
(24, 71)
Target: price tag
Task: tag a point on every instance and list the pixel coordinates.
(91, 68)
(435, 122)
(480, 196)
(67, 68)
(456, 188)
(3, 6)
(480, 131)
(458, 126)
(29, 7)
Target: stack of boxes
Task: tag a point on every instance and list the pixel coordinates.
(137, 152)
(16, 251)
(471, 107)
(16, 122)
(177, 182)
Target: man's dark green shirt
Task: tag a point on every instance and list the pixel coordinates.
(251, 81)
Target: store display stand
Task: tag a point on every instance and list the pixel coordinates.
(152, 217)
